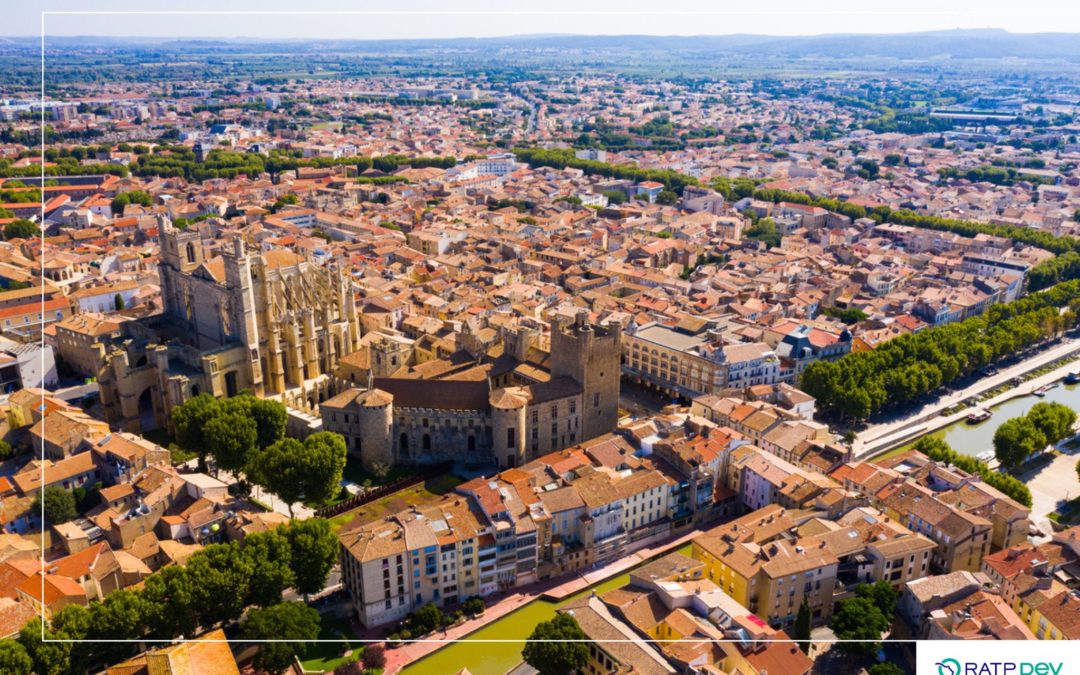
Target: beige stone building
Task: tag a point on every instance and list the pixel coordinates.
(78, 338)
(505, 419)
(269, 322)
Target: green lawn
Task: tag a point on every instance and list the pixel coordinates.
(416, 495)
(323, 657)
(891, 453)
(1068, 513)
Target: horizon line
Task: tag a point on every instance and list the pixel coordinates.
(513, 36)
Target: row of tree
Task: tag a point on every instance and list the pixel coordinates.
(940, 451)
(913, 365)
(1062, 268)
(563, 158)
(998, 175)
(245, 435)
(179, 160)
(67, 166)
(1021, 437)
(214, 588)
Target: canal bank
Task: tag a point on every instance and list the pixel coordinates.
(972, 439)
(927, 422)
(510, 632)
(1051, 484)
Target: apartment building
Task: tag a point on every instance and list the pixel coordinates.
(81, 340)
(1038, 582)
(429, 555)
(962, 539)
(561, 513)
(680, 362)
(695, 625)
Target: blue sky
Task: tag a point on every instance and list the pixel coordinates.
(484, 18)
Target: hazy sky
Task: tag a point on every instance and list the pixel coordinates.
(482, 18)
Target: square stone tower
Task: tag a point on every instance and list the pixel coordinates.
(590, 354)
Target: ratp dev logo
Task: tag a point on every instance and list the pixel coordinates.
(951, 666)
(948, 667)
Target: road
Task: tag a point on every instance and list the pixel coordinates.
(640, 402)
(928, 418)
(300, 512)
(1051, 486)
(75, 392)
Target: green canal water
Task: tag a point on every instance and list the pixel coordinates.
(972, 439)
(495, 658)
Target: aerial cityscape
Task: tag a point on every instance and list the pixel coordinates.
(502, 351)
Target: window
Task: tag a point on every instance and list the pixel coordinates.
(427, 442)
(596, 400)
(511, 438)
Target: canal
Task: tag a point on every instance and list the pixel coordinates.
(495, 658)
(971, 439)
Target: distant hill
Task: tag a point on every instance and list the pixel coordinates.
(960, 44)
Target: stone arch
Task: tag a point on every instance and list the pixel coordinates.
(145, 406)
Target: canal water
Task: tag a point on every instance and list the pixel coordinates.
(495, 658)
(971, 439)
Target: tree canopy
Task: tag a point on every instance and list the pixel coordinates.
(314, 552)
(59, 505)
(139, 197)
(230, 440)
(910, 366)
(21, 229)
(292, 621)
(1021, 437)
(939, 451)
(557, 655)
(190, 419)
(292, 470)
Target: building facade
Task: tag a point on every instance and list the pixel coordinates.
(269, 322)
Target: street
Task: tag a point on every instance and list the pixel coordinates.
(1051, 485)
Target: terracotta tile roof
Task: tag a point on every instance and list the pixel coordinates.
(209, 653)
(13, 616)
